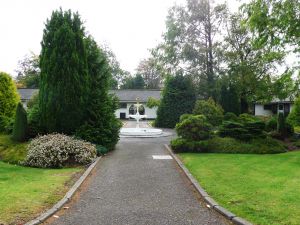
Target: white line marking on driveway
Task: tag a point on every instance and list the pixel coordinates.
(162, 157)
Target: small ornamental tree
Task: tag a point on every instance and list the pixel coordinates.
(294, 116)
(210, 109)
(64, 80)
(178, 98)
(20, 125)
(9, 99)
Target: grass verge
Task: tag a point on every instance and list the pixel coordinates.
(263, 189)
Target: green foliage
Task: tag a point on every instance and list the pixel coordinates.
(178, 98)
(281, 128)
(180, 145)
(294, 116)
(271, 123)
(33, 101)
(28, 71)
(9, 99)
(101, 150)
(194, 128)
(20, 126)
(230, 116)
(184, 116)
(64, 84)
(136, 82)
(152, 102)
(34, 127)
(6, 124)
(247, 128)
(230, 101)
(210, 109)
(101, 126)
(229, 145)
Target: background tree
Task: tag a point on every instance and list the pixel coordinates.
(136, 82)
(64, 73)
(9, 99)
(275, 22)
(101, 126)
(28, 71)
(190, 45)
(294, 116)
(118, 75)
(250, 69)
(229, 99)
(178, 97)
(20, 125)
(148, 69)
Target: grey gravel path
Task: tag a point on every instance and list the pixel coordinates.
(130, 187)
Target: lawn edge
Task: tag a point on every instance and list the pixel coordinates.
(209, 200)
(40, 219)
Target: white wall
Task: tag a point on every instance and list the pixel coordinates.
(260, 111)
(151, 113)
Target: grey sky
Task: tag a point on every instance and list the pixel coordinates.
(129, 27)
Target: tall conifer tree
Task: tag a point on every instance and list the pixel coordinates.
(64, 74)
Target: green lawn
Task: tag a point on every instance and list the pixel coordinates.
(11, 151)
(264, 189)
(25, 191)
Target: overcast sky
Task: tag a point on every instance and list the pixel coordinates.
(129, 27)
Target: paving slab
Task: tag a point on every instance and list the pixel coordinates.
(130, 187)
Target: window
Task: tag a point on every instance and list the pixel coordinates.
(267, 107)
(123, 105)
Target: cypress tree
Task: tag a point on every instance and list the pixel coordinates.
(20, 125)
(64, 75)
(230, 99)
(101, 126)
(178, 98)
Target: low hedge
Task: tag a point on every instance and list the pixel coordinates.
(229, 145)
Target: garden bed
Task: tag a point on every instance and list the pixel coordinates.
(263, 189)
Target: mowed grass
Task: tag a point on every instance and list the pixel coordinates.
(11, 151)
(264, 189)
(25, 192)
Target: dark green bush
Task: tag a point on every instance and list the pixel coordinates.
(194, 128)
(234, 130)
(180, 145)
(34, 127)
(271, 124)
(245, 117)
(101, 150)
(210, 109)
(230, 116)
(294, 116)
(20, 125)
(255, 146)
(229, 145)
(281, 124)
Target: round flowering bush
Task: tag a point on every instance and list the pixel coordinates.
(58, 150)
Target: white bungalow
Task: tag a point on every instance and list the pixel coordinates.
(272, 108)
(127, 98)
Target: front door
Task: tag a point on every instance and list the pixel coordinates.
(122, 116)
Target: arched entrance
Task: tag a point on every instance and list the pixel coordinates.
(132, 110)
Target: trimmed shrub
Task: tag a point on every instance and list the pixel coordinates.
(9, 99)
(58, 150)
(180, 145)
(184, 116)
(6, 124)
(245, 117)
(20, 125)
(34, 127)
(210, 109)
(234, 130)
(194, 128)
(255, 146)
(229, 116)
(101, 150)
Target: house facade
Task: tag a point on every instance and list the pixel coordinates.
(273, 108)
(127, 99)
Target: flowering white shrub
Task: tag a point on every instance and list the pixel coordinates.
(58, 150)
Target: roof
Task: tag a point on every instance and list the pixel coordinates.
(127, 95)
(26, 93)
(130, 95)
